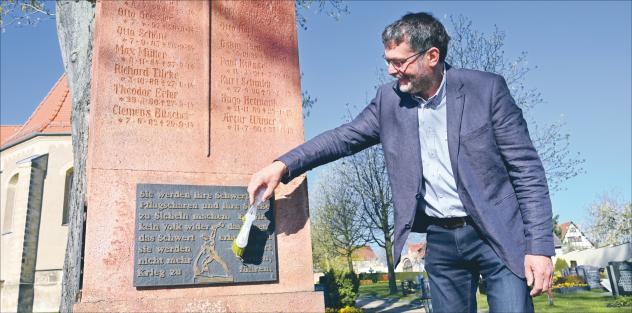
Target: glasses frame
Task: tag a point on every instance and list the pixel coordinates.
(404, 61)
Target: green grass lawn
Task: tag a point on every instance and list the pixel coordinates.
(380, 290)
(580, 302)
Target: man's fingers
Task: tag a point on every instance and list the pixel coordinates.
(268, 193)
(548, 279)
(537, 283)
(268, 178)
(546, 284)
(253, 186)
(528, 273)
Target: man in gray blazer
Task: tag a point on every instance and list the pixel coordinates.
(461, 166)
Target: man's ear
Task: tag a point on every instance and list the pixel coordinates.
(433, 56)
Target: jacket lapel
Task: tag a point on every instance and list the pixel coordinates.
(409, 120)
(454, 103)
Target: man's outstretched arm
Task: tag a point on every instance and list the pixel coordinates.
(329, 146)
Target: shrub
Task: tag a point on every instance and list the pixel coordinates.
(560, 264)
(568, 281)
(621, 302)
(350, 309)
(374, 277)
(341, 288)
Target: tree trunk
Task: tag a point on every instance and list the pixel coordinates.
(350, 263)
(388, 246)
(75, 25)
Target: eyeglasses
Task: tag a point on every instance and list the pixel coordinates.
(399, 63)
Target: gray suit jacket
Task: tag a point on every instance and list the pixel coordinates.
(499, 176)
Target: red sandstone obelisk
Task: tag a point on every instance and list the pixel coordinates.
(192, 93)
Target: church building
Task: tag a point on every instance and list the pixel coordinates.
(36, 170)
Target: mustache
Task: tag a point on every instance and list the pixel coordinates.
(403, 76)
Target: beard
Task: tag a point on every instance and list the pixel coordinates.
(414, 85)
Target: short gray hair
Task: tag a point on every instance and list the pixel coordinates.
(420, 30)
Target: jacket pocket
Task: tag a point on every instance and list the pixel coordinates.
(477, 132)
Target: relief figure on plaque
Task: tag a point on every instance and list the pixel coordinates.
(207, 255)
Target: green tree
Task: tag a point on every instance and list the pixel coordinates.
(556, 227)
(560, 264)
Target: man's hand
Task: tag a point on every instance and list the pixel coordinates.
(268, 177)
(539, 272)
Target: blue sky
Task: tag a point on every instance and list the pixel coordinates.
(581, 49)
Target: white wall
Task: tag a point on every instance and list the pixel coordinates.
(600, 256)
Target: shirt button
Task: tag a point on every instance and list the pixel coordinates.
(407, 226)
(418, 196)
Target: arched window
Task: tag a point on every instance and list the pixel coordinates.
(67, 187)
(9, 206)
(408, 266)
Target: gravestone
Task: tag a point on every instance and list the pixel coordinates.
(620, 276)
(189, 99)
(591, 275)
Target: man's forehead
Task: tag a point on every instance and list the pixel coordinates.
(397, 47)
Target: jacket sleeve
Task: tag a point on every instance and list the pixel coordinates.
(345, 140)
(525, 170)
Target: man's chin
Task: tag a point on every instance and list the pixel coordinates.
(406, 88)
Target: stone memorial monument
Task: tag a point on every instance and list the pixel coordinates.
(591, 275)
(620, 276)
(189, 99)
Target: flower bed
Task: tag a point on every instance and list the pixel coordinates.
(570, 289)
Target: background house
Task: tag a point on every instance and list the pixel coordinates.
(573, 238)
(36, 172)
(413, 258)
(366, 261)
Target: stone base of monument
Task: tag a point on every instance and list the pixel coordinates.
(308, 301)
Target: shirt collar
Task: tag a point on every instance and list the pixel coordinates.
(435, 100)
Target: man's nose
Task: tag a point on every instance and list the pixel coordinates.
(392, 70)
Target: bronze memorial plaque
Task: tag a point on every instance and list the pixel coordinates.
(184, 235)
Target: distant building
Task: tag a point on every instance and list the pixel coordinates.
(413, 258)
(558, 245)
(573, 238)
(366, 261)
(36, 172)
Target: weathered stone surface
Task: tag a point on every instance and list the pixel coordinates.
(168, 110)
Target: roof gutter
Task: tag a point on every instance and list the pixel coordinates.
(31, 136)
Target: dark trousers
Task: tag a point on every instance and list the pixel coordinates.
(454, 260)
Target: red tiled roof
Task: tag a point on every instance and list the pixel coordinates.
(364, 254)
(7, 131)
(417, 248)
(51, 116)
(564, 229)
